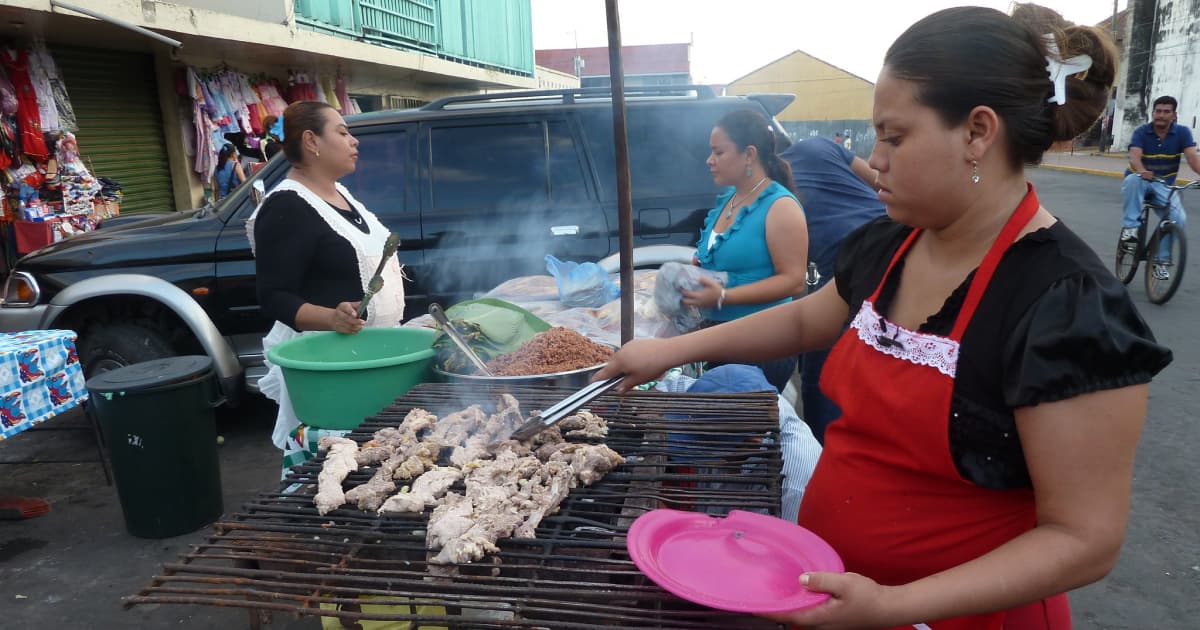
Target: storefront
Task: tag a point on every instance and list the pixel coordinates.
(50, 191)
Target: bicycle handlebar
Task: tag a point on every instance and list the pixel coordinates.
(1191, 184)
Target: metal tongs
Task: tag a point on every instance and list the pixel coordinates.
(548, 418)
(376, 283)
(439, 316)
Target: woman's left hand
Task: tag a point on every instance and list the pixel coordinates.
(856, 602)
(345, 318)
(706, 297)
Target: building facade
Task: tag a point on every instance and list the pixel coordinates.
(830, 102)
(132, 95)
(650, 65)
(1161, 57)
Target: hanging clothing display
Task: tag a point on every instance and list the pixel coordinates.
(225, 101)
(48, 194)
(29, 122)
(63, 111)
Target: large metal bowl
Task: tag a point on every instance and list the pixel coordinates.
(572, 378)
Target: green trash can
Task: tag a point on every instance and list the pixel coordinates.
(157, 419)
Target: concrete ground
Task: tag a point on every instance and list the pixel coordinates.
(71, 567)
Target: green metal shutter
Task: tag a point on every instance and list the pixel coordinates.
(115, 97)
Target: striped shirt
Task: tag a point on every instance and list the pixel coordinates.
(1161, 156)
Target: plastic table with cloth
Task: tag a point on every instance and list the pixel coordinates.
(40, 378)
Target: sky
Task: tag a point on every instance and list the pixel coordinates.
(731, 38)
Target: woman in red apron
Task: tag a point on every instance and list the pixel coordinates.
(990, 370)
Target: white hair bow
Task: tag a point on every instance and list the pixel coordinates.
(1060, 69)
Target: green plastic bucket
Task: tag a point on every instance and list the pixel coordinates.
(336, 380)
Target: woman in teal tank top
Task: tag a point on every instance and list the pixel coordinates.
(756, 233)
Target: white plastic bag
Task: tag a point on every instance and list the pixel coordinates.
(673, 279)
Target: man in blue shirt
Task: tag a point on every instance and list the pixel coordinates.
(837, 191)
(1155, 151)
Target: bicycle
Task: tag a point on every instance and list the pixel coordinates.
(1164, 263)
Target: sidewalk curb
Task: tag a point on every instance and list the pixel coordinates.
(1086, 171)
(1103, 173)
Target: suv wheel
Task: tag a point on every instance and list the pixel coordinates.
(111, 346)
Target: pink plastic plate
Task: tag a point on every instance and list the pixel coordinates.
(745, 562)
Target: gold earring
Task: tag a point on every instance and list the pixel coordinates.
(316, 154)
(974, 172)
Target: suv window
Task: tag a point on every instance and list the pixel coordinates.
(378, 181)
(479, 166)
(566, 171)
(667, 149)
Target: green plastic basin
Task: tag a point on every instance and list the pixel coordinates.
(335, 381)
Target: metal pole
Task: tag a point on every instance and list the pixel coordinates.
(616, 73)
(122, 23)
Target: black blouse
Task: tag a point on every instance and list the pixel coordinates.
(300, 259)
(1053, 324)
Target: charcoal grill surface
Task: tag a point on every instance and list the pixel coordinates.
(278, 555)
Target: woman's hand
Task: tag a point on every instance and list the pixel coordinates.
(856, 602)
(344, 318)
(709, 296)
(640, 360)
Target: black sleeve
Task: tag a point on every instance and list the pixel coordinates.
(863, 257)
(285, 237)
(1083, 335)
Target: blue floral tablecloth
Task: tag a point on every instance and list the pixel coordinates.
(40, 377)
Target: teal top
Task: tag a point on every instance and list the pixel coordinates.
(741, 250)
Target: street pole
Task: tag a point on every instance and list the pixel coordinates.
(616, 73)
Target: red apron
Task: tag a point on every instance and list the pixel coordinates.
(886, 493)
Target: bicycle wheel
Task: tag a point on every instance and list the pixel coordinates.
(1128, 256)
(1160, 289)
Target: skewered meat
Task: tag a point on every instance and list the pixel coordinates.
(454, 429)
(339, 462)
(590, 461)
(369, 496)
(509, 487)
(550, 487)
(449, 520)
(425, 491)
(584, 423)
(417, 459)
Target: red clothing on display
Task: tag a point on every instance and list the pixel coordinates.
(33, 144)
(886, 493)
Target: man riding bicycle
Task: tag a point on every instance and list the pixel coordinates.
(1154, 152)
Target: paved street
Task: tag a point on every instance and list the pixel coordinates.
(74, 564)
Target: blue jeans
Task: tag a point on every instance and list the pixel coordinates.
(1135, 191)
(818, 410)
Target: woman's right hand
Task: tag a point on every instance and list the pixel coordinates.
(344, 319)
(640, 360)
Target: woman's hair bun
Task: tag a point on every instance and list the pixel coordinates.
(1087, 92)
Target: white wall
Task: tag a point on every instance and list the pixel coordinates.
(273, 11)
(1174, 68)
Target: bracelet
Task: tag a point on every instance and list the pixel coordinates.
(721, 300)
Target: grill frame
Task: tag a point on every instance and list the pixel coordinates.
(277, 555)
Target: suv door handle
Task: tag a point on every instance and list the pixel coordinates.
(564, 230)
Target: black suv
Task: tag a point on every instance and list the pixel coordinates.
(480, 188)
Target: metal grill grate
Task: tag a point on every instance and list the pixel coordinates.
(279, 555)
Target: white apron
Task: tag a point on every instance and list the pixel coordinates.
(386, 309)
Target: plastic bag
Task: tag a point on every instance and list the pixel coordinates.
(673, 279)
(581, 284)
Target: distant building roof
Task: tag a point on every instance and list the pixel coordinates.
(1122, 22)
(647, 59)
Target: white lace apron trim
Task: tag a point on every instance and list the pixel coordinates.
(935, 351)
(387, 308)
